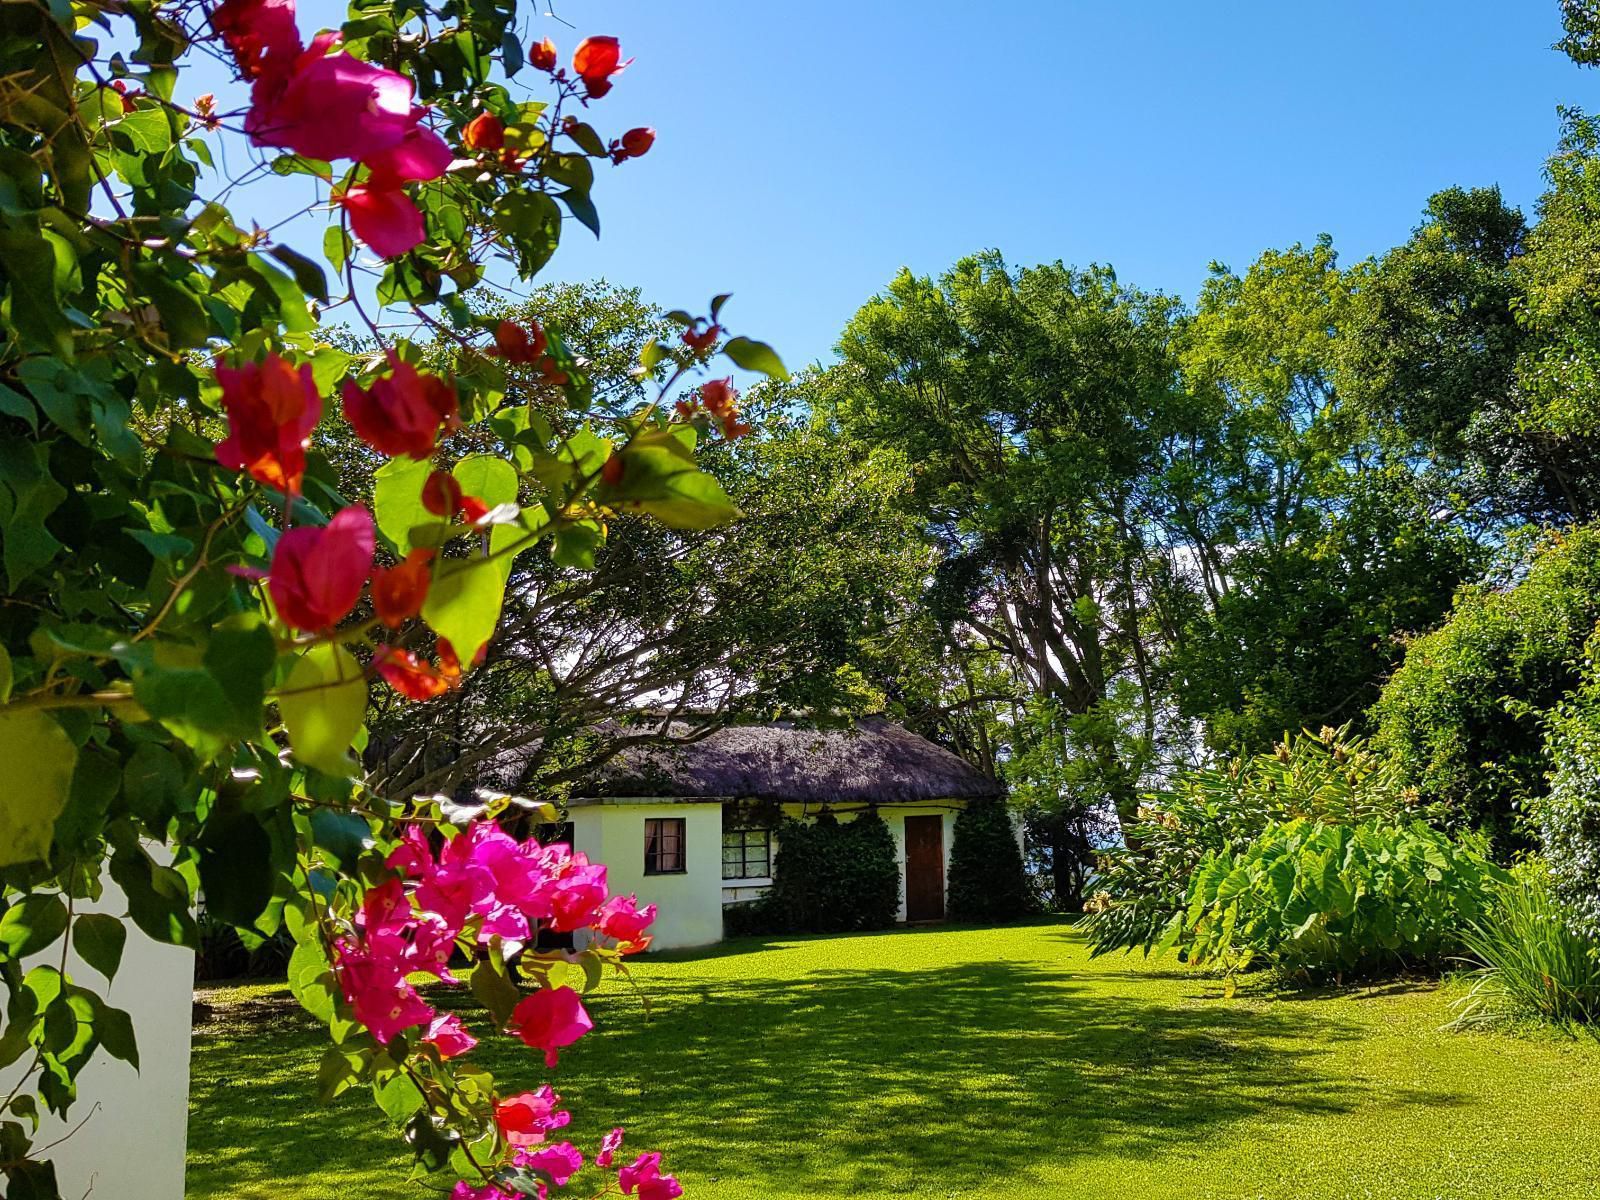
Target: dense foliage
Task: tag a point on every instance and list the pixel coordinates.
(1567, 816)
(1463, 713)
(830, 876)
(1330, 777)
(985, 879)
(1332, 900)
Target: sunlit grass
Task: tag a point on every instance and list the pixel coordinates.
(962, 1062)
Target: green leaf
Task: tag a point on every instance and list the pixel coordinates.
(581, 207)
(511, 52)
(33, 924)
(114, 1028)
(307, 274)
(5, 675)
(158, 897)
(152, 784)
(755, 356)
(236, 873)
(463, 603)
(147, 130)
(398, 1097)
(322, 704)
(658, 480)
(99, 939)
(495, 992)
(488, 477)
(397, 500)
(39, 758)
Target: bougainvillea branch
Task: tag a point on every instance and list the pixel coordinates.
(194, 615)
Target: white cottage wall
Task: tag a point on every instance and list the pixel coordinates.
(691, 902)
(135, 1123)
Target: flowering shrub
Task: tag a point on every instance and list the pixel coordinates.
(193, 614)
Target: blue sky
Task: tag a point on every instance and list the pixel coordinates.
(806, 151)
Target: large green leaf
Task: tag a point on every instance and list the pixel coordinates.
(488, 477)
(99, 939)
(756, 356)
(464, 601)
(39, 758)
(322, 705)
(30, 926)
(397, 500)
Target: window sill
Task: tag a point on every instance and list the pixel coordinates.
(678, 871)
(752, 881)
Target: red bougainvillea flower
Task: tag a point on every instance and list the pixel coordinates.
(260, 34)
(272, 409)
(633, 144)
(449, 1036)
(331, 106)
(317, 574)
(700, 340)
(473, 510)
(527, 1119)
(622, 918)
(398, 591)
(542, 55)
(484, 132)
(402, 413)
(609, 1145)
(645, 1179)
(560, 1162)
(441, 494)
(596, 60)
(518, 345)
(412, 677)
(721, 400)
(611, 471)
(549, 1019)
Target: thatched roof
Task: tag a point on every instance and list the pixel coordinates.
(877, 762)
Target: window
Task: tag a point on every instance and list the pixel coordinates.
(746, 853)
(663, 846)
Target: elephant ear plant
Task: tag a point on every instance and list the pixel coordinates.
(193, 615)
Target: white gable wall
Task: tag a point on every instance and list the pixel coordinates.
(690, 903)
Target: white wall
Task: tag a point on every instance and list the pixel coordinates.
(691, 903)
(132, 1146)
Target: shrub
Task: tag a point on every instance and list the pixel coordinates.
(1533, 963)
(1464, 714)
(987, 882)
(1326, 900)
(1568, 815)
(1328, 776)
(830, 877)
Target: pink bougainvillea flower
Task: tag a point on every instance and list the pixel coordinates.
(596, 61)
(416, 158)
(527, 1119)
(577, 895)
(560, 1162)
(317, 574)
(260, 34)
(549, 1019)
(387, 221)
(272, 409)
(403, 412)
(622, 918)
(465, 1191)
(609, 1145)
(645, 1179)
(331, 106)
(377, 992)
(449, 1036)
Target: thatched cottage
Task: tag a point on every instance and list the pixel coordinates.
(689, 828)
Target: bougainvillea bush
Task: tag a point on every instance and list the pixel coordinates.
(193, 615)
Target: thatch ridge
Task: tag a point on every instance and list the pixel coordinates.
(876, 762)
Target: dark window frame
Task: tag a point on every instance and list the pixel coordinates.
(745, 859)
(654, 844)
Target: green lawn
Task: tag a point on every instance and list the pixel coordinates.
(960, 1062)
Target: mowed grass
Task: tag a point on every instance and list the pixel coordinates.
(960, 1062)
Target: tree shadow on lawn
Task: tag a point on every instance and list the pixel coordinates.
(836, 1081)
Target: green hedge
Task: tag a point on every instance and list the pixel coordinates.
(987, 882)
(828, 877)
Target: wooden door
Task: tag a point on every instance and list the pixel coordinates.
(925, 868)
